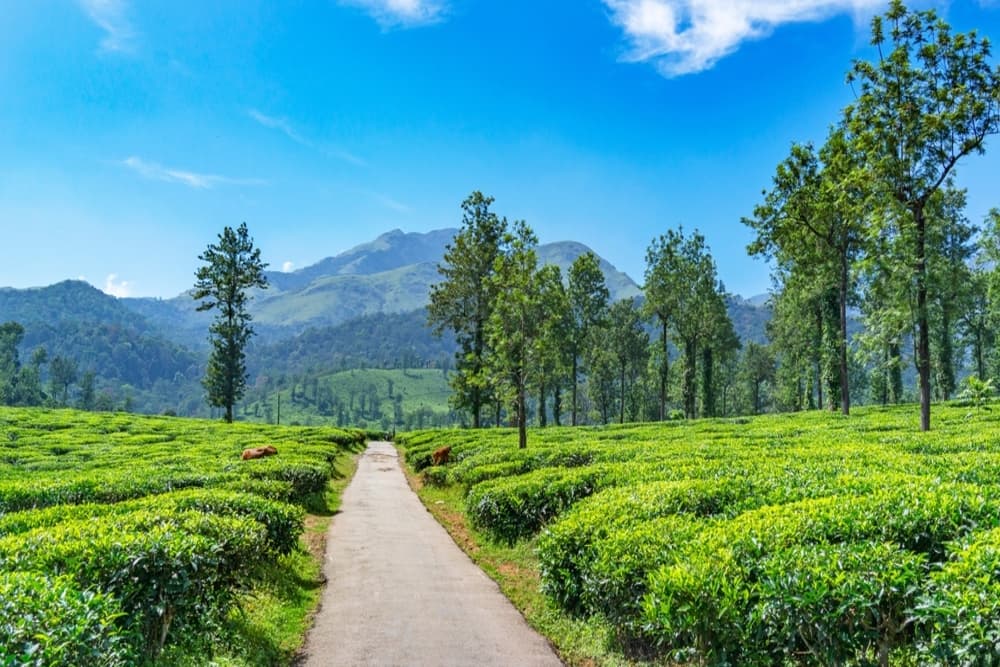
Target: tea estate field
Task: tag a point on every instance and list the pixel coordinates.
(777, 540)
(127, 540)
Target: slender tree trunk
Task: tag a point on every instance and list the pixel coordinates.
(621, 406)
(923, 329)
(845, 390)
(541, 406)
(707, 383)
(896, 373)
(522, 416)
(499, 409)
(575, 382)
(978, 347)
(664, 370)
(819, 356)
(690, 374)
(557, 405)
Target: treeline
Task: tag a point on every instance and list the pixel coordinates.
(871, 221)
(531, 342)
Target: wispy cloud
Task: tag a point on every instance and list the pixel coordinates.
(287, 266)
(112, 17)
(285, 127)
(390, 203)
(116, 287)
(157, 172)
(401, 13)
(687, 36)
(280, 124)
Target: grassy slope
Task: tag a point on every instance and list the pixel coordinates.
(420, 388)
(515, 567)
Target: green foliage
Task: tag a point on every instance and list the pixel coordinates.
(780, 539)
(231, 268)
(157, 519)
(49, 621)
(978, 392)
(463, 301)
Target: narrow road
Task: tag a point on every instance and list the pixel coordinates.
(400, 592)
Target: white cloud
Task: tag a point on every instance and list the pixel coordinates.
(287, 267)
(284, 126)
(111, 17)
(401, 13)
(157, 172)
(116, 287)
(687, 36)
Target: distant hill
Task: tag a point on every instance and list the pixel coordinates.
(389, 275)
(76, 320)
(363, 308)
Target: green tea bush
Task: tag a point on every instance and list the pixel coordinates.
(701, 599)
(175, 572)
(48, 622)
(959, 613)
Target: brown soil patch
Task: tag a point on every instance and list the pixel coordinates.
(314, 535)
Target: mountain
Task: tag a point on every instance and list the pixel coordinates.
(389, 275)
(390, 251)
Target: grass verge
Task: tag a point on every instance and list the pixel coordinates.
(275, 614)
(579, 642)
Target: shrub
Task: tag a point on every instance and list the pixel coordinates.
(177, 572)
(49, 621)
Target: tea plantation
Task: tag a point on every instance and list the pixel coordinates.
(778, 540)
(122, 536)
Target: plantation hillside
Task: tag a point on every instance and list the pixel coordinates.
(380, 399)
(806, 538)
(124, 538)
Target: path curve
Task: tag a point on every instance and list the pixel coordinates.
(400, 592)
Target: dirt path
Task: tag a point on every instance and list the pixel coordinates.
(400, 592)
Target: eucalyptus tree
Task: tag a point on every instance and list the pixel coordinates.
(516, 323)
(629, 346)
(662, 287)
(812, 224)
(552, 347)
(757, 368)
(463, 300)
(931, 99)
(231, 268)
(588, 297)
(950, 253)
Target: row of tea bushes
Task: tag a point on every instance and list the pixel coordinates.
(793, 539)
(120, 534)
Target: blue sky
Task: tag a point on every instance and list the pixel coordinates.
(132, 132)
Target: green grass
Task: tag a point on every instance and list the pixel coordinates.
(811, 536)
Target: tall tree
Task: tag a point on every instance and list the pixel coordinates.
(662, 292)
(812, 225)
(950, 250)
(629, 345)
(62, 375)
(931, 99)
(683, 272)
(757, 369)
(232, 266)
(516, 322)
(588, 300)
(552, 350)
(463, 301)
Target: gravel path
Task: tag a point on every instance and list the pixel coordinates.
(400, 592)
